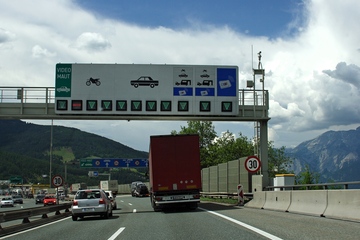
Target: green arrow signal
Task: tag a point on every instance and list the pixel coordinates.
(106, 104)
(91, 105)
(121, 105)
(226, 106)
(165, 106)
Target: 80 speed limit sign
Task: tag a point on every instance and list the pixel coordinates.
(252, 164)
(57, 180)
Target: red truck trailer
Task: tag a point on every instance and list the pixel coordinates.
(174, 171)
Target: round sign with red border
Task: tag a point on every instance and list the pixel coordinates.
(252, 164)
(57, 180)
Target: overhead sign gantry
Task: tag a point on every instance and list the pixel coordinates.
(140, 89)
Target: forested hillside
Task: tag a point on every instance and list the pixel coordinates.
(25, 148)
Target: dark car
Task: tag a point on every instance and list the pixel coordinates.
(18, 199)
(39, 198)
(141, 191)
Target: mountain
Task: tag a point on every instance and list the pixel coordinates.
(25, 151)
(333, 154)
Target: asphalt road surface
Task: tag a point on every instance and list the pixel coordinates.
(135, 219)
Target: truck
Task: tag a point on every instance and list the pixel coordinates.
(110, 185)
(174, 171)
(77, 186)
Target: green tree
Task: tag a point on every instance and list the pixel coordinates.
(279, 162)
(308, 177)
(228, 147)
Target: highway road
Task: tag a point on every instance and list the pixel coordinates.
(135, 219)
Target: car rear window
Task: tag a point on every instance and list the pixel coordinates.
(87, 195)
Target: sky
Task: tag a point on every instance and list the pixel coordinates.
(310, 53)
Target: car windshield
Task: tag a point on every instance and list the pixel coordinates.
(7, 198)
(48, 197)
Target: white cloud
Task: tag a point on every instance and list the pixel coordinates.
(312, 76)
(92, 42)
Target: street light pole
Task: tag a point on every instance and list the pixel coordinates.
(51, 145)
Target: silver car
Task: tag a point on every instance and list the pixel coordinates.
(7, 201)
(91, 202)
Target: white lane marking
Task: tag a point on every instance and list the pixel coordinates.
(130, 204)
(34, 228)
(117, 233)
(134, 210)
(254, 229)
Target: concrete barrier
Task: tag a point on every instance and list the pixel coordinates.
(258, 200)
(312, 202)
(278, 200)
(343, 204)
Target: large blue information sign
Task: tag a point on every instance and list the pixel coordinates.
(114, 163)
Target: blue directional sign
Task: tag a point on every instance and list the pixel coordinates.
(114, 162)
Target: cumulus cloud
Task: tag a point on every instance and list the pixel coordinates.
(38, 52)
(347, 73)
(92, 42)
(5, 36)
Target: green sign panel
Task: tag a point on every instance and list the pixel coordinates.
(85, 163)
(63, 80)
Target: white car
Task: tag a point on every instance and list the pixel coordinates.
(7, 202)
(90, 202)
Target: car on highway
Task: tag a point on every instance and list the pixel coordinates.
(18, 199)
(133, 187)
(112, 198)
(91, 202)
(39, 198)
(141, 190)
(49, 199)
(7, 202)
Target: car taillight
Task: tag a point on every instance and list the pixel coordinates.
(101, 201)
(75, 203)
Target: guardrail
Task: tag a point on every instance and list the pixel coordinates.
(26, 214)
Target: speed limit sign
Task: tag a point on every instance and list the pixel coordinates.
(57, 180)
(252, 164)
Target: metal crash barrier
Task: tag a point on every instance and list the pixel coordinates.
(25, 216)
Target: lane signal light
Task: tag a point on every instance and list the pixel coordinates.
(61, 105)
(165, 106)
(136, 105)
(121, 105)
(226, 106)
(150, 105)
(91, 105)
(76, 105)
(183, 106)
(205, 106)
(106, 105)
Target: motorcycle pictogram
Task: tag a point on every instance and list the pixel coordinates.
(95, 81)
